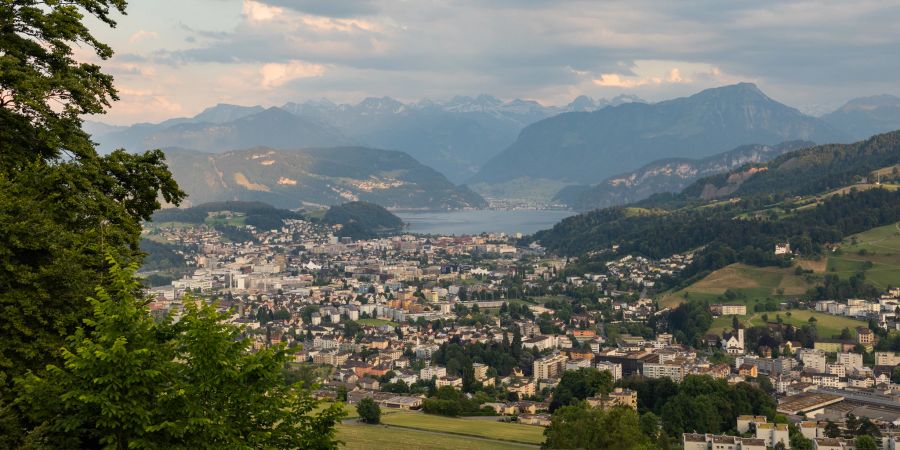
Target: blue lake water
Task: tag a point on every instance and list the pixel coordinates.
(482, 221)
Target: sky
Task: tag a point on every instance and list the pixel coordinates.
(176, 57)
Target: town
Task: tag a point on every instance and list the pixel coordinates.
(405, 319)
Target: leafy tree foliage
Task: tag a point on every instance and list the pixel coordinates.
(699, 403)
(369, 411)
(577, 426)
(128, 381)
(866, 443)
(689, 321)
(577, 385)
(62, 206)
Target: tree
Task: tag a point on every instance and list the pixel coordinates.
(576, 385)
(577, 426)
(650, 425)
(369, 411)
(797, 440)
(62, 206)
(129, 381)
(832, 430)
(866, 443)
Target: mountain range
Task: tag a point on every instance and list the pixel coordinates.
(455, 136)
(863, 117)
(667, 175)
(587, 147)
(521, 149)
(316, 177)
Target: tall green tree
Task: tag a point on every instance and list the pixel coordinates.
(62, 206)
(130, 382)
(866, 443)
(369, 411)
(577, 426)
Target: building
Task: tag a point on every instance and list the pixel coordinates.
(452, 381)
(427, 373)
(693, 441)
(728, 310)
(744, 422)
(850, 360)
(832, 444)
(783, 249)
(613, 368)
(733, 343)
(655, 370)
(807, 404)
(813, 360)
(549, 366)
(525, 388)
(773, 433)
(481, 371)
(865, 336)
(887, 358)
(541, 342)
(748, 370)
(618, 397)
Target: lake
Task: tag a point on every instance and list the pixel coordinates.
(482, 221)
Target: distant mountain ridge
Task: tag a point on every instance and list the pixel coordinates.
(802, 172)
(864, 117)
(316, 177)
(667, 175)
(455, 136)
(587, 147)
(808, 197)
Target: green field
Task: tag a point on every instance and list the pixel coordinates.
(357, 436)
(512, 432)
(826, 324)
(376, 322)
(875, 252)
(754, 284)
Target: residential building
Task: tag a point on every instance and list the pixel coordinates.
(549, 366)
(692, 441)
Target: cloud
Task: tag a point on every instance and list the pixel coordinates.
(330, 8)
(798, 52)
(654, 73)
(142, 35)
(260, 12)
(274, 74)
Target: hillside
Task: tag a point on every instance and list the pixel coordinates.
(257, 214)
(588, 147)
(863, 117)
(800, 200)
(316, 177)
(804, 172)
(667, 175)
(362, 220)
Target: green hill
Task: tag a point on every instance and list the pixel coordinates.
(361, 220)
(806, 197)
(316, 177)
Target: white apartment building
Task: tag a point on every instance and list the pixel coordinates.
(549, 366)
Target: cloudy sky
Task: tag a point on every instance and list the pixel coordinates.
(176, 57)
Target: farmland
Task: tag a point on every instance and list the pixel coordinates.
(512, 432)
(357, 436)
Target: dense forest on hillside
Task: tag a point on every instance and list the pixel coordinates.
(723, 237)
(746, 227)
(362, 220)
(808, 171)
(258, 214)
